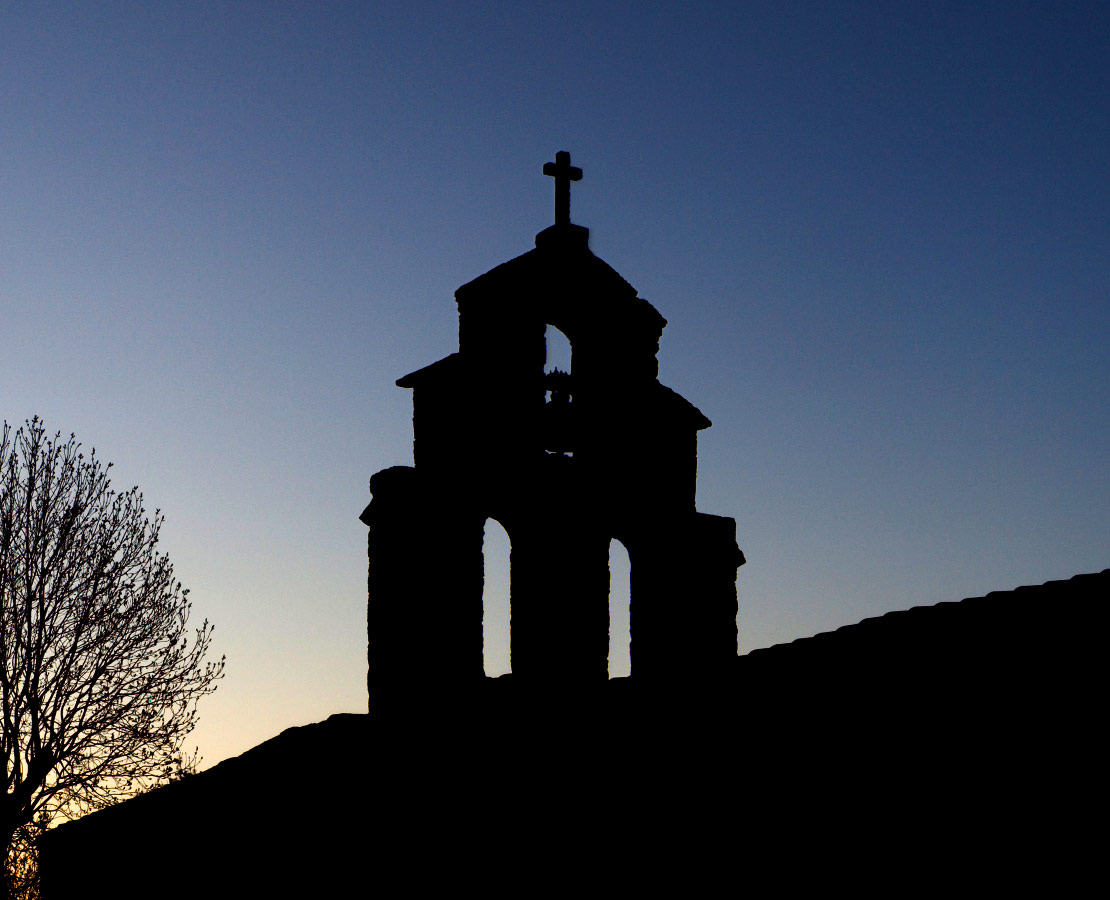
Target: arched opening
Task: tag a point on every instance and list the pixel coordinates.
(495, 599)
(558, 393)
(620, 596)
(558, 350)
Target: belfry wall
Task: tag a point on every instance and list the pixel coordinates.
(566, 462)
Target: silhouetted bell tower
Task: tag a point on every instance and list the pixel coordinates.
(565, 462)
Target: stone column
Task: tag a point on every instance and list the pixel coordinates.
(559, 601)
(424, 606)
(683, 603)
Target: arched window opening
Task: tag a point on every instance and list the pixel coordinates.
(558, 392)
(558, 351)
(620, 594)
(495, 599)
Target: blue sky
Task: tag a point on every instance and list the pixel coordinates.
(879, 232)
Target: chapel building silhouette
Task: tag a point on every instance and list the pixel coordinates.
(565, 462)
(967, 719)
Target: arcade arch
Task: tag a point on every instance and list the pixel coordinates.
(558, 350)
(495, 599)
(620, 598)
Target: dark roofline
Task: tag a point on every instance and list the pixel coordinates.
(439, 368)
(513, 268)
(1021, 604)
(672, 397)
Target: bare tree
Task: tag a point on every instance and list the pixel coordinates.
(21, 870)
(99, 679)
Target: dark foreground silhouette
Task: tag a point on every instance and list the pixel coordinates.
(901, 749)
(955, 741)
(566, 462)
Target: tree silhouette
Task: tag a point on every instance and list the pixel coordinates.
(21, 872)
(99, 679)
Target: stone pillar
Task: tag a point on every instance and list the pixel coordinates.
(559, 602)
(714, 558)
(683, 604)
(424, 605)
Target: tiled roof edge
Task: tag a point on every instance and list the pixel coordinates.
(1024, 592)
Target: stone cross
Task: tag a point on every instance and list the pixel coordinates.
(563, 173)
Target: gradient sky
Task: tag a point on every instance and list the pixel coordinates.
(879, 233)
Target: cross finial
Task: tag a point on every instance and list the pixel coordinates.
(563, 173)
